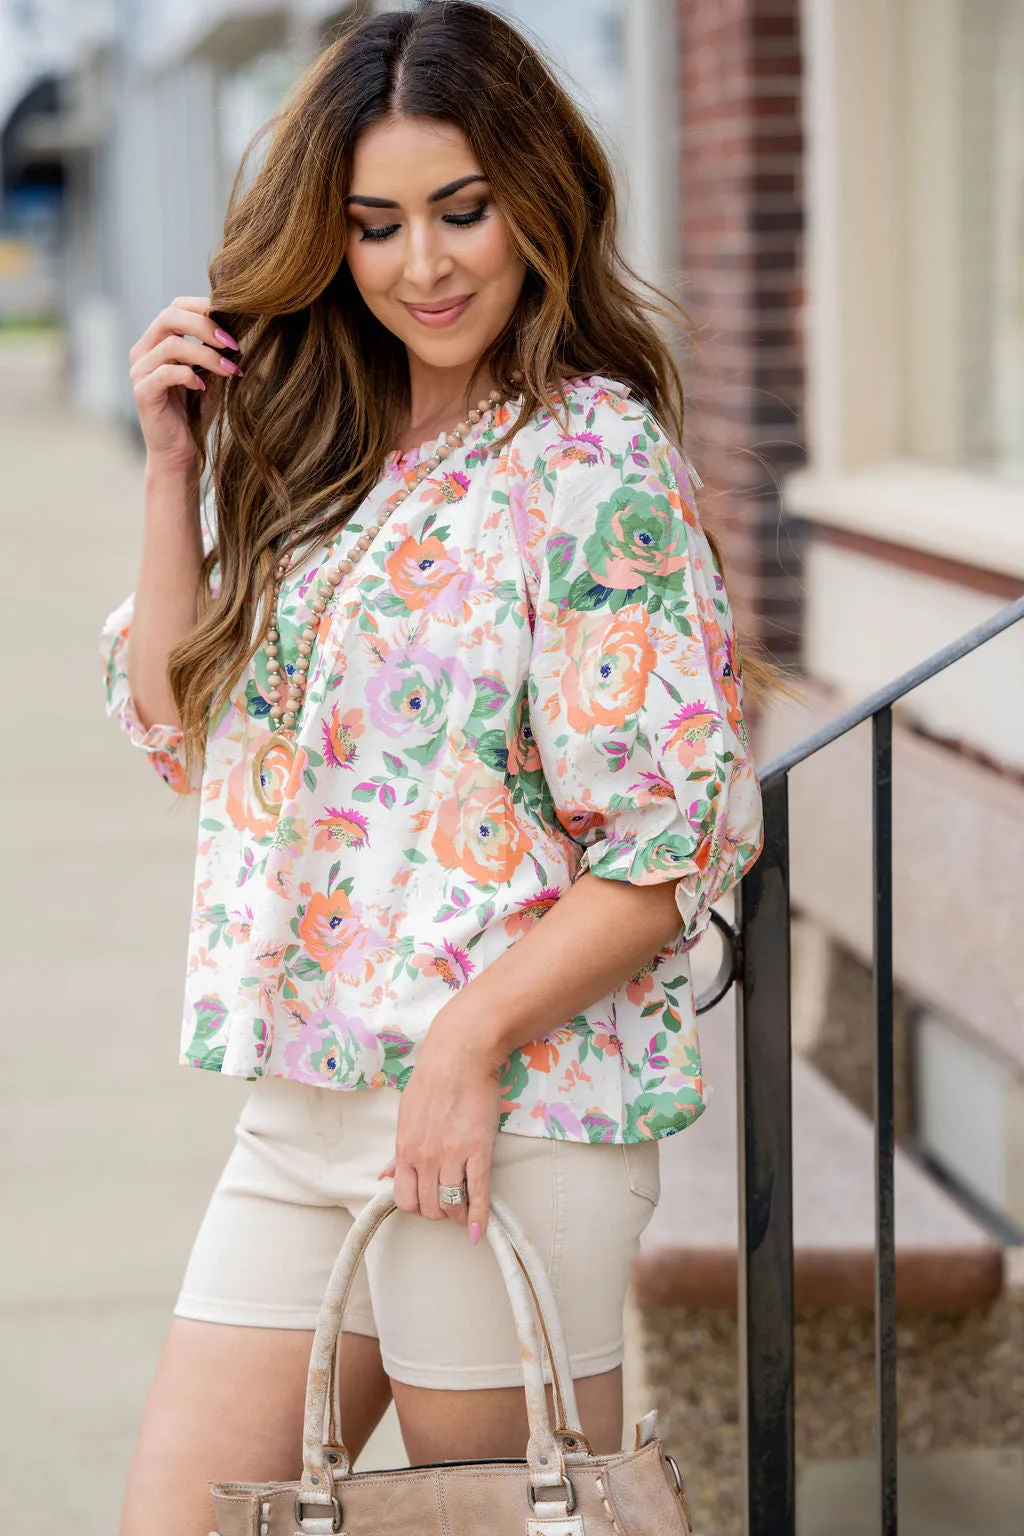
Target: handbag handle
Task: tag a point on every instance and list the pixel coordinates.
(527, 1285)
(567, 1419)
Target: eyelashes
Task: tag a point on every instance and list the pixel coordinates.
(460, 220)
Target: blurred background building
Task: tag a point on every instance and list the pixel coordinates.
(835, 190)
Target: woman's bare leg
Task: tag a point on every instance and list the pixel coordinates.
(226, 1405)
(442, 1426)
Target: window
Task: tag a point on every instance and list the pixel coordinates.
(960, 80)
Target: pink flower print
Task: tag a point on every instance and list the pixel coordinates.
(692, 728)
(339, 734)
(451, 964)
(240, 926)
(581, 448)
(329, 1045)
(451, 487)
(530, 911)
(411, 690)
(559, 1121)
(341, 829)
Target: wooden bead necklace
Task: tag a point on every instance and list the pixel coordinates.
(286, 693)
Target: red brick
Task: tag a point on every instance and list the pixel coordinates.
(741, 183)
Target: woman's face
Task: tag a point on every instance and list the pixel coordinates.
(427, 247)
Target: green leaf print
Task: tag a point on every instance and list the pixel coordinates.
(491, 695)
(515, 1078)
(659, 1114)
(203, 1050)
(588, 594)
(428, 750)
(492, 749)
(599, 1127)
(307, 969)
(256, 705)
(561, 552)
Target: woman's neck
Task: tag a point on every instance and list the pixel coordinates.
(438, 401)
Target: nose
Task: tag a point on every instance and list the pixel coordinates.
(427, 261)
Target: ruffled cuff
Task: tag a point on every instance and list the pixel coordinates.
(164, 745)
(650, 861)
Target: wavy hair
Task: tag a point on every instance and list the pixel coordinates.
(295, 445)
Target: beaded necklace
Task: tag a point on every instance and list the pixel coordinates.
(285, 693)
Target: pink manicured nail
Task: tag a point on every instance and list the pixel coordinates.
(229, 366)
(200, 382)
(224, 339)
(474, 1232)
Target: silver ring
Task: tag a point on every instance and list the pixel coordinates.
(453, 1194)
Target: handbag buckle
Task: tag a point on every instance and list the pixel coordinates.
(546, 1511)
(316, 1525)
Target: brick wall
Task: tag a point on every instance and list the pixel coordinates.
(742, 168)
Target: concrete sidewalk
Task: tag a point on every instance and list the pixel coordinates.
(110, 1148)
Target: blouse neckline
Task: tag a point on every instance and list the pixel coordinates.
(407, 459)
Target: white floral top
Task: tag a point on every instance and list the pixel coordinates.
(531, 672)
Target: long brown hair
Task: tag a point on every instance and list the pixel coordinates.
(296, 444)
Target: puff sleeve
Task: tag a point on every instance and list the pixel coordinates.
(163, 744)
(635, 687)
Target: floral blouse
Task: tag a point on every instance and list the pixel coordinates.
(530, 673)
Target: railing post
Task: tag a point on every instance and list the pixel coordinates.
(765, 1127)
(885, 1233)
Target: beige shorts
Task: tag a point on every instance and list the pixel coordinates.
(305, 1163)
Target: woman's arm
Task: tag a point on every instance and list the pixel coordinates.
(597, 935)
(165, 362)
(167, 587)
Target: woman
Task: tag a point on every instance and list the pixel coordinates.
(460, 693)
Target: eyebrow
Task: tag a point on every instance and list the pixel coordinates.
(438, 196)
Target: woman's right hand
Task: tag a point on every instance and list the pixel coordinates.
(164, 364)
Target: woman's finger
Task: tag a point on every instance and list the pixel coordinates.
(154, 384)
(430, 1206)
(189, 316)
(178, 349)
(406, 1189)
(454, 1173)
(478, 1177)
(387, 1172)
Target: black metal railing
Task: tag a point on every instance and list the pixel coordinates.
(758, 960)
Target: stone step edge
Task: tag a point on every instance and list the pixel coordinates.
(927, 1279)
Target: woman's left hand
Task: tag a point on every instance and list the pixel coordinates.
(447, 1121)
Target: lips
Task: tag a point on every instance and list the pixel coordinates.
(442, 312)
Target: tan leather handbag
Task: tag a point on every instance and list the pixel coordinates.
(561, 1489)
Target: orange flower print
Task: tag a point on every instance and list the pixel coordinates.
(451, 964)
(540, 1055)
(477, 829)
(341, 829)
(692, 728)
(523, 752)
(640, 986)
(337, 939)
(530, 911)
(451, 487)
(339, 734)
(277, 773)
(609, 661)
(581, 448)
(428, 577)
(607, 1042)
